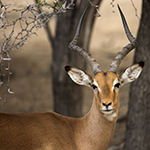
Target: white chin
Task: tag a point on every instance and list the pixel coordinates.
(107, 112)
(109, 115)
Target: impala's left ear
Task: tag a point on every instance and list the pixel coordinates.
(131, 73)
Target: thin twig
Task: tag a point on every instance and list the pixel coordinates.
(28, 22)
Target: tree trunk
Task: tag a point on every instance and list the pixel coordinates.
(138, 120)
(68, 97)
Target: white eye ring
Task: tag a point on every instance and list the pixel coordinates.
(95, 84)
(116, 84)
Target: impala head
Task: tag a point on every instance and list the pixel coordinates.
(105, 84)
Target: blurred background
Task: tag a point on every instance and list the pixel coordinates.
(31, 79)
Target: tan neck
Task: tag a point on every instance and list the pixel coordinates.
(95, 130)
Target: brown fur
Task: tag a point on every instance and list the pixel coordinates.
(51, 131)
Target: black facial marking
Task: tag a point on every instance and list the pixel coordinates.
(94, 86)
(105, 73)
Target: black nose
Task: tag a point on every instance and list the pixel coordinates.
(107, 104)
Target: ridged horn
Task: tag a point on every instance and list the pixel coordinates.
(73, 46)
(133, 44)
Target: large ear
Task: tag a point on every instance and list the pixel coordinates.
(79, 76)
(131, 73)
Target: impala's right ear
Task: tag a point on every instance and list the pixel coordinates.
(79, 76)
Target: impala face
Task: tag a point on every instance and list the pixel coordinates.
(106, 87)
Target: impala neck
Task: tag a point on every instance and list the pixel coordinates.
(96, 129)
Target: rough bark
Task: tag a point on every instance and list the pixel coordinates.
(138, 118)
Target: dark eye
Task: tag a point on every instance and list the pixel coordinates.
(94, 86)
(117, 85)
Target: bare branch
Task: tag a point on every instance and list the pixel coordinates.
(96, 7)
(112, 4)
(14, 33)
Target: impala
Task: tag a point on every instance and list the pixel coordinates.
(51, 131)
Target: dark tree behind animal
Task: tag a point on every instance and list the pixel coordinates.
(138, 120)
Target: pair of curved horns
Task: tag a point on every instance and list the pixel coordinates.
(119, 57)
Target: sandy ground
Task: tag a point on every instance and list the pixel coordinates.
(31, 78)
